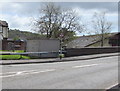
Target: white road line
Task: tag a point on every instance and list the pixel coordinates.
(81, 66)
(21, 73)
(41, 71)
(6, 76)
(37, 71)
(27, 72)
(16, 72)
(112, 86)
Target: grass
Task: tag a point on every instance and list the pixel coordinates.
(18, 51)
(13, 57)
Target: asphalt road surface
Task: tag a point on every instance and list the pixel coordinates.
(101, 73)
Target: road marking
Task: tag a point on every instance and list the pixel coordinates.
(18, 73)
(6, 76)
(81, 66)
(34, 72)
(15, 72)
(9, 74)
(112, 86)
(27, 72)
(42, 71)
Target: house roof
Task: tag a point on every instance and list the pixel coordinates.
(115, 36)
(3, 23)
(84, 41)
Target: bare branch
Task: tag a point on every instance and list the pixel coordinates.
(101, 25)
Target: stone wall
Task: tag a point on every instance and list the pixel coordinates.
(90, 51)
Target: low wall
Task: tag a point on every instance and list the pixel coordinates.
(46, 55)
(90, 51)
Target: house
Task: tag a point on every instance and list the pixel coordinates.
(114, 40)
(9, 44)
(111, 40)
(3, 30)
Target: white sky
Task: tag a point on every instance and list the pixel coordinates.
(20, 15)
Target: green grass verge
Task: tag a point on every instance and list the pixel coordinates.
(18, 51)
(13, 57)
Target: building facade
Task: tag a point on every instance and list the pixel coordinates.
(9, 44)
(114, 40)
(3, 30)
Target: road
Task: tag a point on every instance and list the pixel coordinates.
(101, 73)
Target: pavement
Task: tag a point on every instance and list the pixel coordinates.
(50, 60)
(98, 74)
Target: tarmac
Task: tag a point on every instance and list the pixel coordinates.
(50, 60)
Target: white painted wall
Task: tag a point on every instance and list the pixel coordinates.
(50, 45)
(43, 45)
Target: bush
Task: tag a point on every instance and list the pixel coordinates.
(61, 55)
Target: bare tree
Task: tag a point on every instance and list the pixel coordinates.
(101, 25)
(54, 20)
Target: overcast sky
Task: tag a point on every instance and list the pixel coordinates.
(20, 15)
